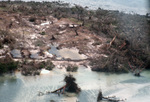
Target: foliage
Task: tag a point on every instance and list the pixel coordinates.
(45, 64)
(7, 66)
(72, 68)
(71, 86)
(49, 65)
(33, 68)
(42, 33)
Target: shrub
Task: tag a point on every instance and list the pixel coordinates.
(49, 65)
(42, 33)
(8, 66)
(71, 85)
(72, 68)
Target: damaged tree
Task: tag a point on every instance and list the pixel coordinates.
(76, 32)
(100, 96)
(109, 99)
(136, 71)
(70, 85)
(124, 45)
(53, 38)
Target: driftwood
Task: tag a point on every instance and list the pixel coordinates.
(124, 45)
(60, 89)
(70, 86)
(110, 99)
(136, 71)
(112, 41)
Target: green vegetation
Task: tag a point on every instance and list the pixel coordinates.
(34, 68)
(72, 68)
(49, 65)
(43, 33)
(7, 65)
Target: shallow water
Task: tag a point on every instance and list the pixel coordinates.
(16, 53)
(129, 6)
(72, 53)
(34, 56)
(18, 88)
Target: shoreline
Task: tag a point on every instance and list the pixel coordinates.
(110, 5)
(106, 37)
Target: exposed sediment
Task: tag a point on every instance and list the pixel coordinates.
(108, 39)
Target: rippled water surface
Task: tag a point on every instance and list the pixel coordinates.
(18, 88)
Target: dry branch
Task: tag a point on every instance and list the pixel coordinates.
(59, 89)
(109, 99)
(112, 41)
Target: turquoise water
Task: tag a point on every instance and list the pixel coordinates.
(18, 88)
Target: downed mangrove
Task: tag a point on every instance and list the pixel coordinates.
(70, 85)
(136, 71)
(71, 68)
(109, 99)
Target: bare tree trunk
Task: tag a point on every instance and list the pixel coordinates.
(76, 32)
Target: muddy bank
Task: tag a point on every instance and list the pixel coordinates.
(102, 39)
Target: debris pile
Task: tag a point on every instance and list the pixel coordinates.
(108, 99)
(70, 86)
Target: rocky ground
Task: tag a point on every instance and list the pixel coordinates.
(28, 37)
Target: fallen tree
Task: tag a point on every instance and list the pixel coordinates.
(70, 85)
(108, 99)
(136, 71)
